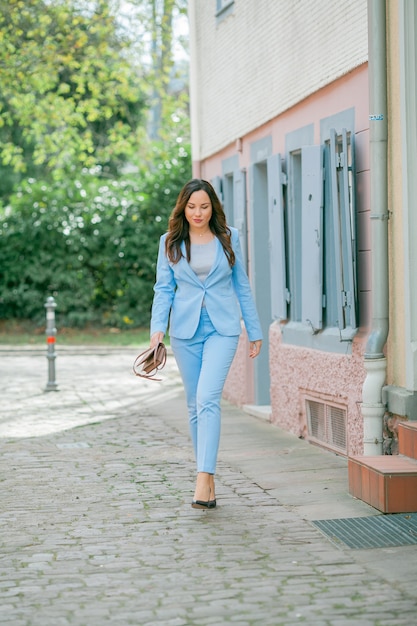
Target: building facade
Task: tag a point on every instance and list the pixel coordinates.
(281, 125)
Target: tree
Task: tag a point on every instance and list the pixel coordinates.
(70, 95)
(75, 222)
(154, 22)
(90, 243)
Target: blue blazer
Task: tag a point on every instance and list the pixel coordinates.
(226, 293)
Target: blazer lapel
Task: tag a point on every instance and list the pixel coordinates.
(217, 259)
(185, 266)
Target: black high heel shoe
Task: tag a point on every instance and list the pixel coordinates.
(204, 504)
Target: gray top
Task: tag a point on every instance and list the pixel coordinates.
(202, 258)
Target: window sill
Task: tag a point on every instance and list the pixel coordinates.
(327, 340)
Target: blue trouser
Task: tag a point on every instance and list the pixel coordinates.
(204, 362)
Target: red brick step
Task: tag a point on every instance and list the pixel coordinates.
(407, 439)
(388, 483)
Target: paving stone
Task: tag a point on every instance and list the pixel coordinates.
(96, 525)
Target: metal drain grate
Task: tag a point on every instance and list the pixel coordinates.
(377, 531)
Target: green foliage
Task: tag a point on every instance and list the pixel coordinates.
(90, 243)
(71, 95)
(75, 98)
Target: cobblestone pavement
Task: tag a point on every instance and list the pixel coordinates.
(97, 528)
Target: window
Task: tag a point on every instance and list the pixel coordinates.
(293, 202)
(312, 238)
(231, 189)
(340, 200)
(224, 7)
(217, 184)
(339, 261)
(277, 180)
(228, 198)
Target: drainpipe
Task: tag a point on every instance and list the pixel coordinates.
(373, 409)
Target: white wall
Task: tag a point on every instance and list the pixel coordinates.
(263, 58)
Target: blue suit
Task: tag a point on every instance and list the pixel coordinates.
(204, 329)
(180, 292)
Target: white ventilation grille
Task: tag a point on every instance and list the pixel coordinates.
(327, 425)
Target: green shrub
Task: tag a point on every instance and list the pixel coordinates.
(89, 242)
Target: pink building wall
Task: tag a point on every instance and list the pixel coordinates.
(297, 372)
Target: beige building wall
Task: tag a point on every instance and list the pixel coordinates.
(396, 371)
(330, 43)
(400, 393)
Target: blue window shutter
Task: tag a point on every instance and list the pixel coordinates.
(218, 187)
(239, 211)
(342, 198)
(276, 180)
(337, 229)
(312, 236)
(349, 231)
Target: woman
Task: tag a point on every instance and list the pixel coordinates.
(200, 280)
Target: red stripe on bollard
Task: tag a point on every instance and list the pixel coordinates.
(50, 340)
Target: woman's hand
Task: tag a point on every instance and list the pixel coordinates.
(156, 338)
(255, 348)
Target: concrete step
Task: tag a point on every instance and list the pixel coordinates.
(388, 483)
(407, 439)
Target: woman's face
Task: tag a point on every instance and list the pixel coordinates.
(198, 211)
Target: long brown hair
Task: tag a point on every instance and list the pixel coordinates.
(178, 227)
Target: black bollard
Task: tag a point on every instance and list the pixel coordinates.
(50, 306)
